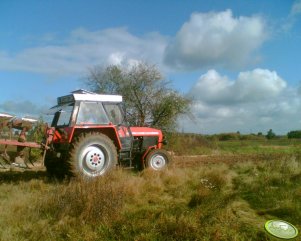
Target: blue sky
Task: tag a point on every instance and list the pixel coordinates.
(238, 60)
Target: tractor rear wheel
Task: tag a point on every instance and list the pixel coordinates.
(93, 154)
(157, 159)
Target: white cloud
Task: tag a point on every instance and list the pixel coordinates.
(257, 100)
(257, 85)
(83, 49)
(250, 86)
(291, 19)
(296, 8)
(215, 39)
(207, 39)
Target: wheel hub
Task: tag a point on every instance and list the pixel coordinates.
(94, 158)
(158, 162)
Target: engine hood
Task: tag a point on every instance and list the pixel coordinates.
(145, 131)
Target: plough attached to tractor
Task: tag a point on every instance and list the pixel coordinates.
(9, 123)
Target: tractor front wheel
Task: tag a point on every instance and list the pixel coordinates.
(157, 159)
(93, 154)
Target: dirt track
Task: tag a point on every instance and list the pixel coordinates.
(192, 161)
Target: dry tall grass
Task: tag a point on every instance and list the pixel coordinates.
(216, 200)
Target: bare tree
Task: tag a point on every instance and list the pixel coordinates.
(148, 99)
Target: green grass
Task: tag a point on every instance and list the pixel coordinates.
(275, 188)
(260, 146)
(195, 144)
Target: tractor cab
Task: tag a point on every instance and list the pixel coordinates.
(86, 110)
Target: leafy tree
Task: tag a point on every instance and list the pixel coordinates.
(148, 99)
(270, 134)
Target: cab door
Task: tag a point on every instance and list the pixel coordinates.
(116, 116)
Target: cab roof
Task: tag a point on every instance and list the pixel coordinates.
(84, 95)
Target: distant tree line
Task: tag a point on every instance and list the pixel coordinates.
(290, 135)
(259, 136)
(294, 134)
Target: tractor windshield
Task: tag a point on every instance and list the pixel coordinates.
(62, 116)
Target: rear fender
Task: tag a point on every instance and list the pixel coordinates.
(109, 131)
(66, 135)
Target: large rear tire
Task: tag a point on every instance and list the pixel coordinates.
(157, 159)
(93, 154)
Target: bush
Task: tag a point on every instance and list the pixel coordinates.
(228, 136)
(294, 134)
(252, 137)
(189, 144)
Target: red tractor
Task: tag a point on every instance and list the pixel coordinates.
(89, 136)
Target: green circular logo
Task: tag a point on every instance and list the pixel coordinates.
(281, 229)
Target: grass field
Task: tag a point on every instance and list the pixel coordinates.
(214, 190)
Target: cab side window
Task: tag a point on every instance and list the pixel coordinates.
(91, 113)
